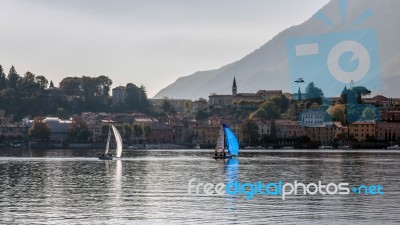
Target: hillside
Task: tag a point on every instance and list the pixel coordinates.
(267, 67)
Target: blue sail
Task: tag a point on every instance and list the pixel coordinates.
(231, 141)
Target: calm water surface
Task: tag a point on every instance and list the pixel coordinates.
(151, 187)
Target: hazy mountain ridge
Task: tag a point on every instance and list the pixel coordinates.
(267, 67)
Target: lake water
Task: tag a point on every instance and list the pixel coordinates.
(151, 187)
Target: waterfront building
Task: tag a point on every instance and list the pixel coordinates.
(161, 133)
(362, 131)
(6, 119)
(183, 131)
(205, 134)
(388, 131)
(285, 129)
(59, 129)
(325, 134)
(10, 131)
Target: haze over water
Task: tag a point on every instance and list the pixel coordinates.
(148, 187)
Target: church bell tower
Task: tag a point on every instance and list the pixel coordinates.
(234, 87)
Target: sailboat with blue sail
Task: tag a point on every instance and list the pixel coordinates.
(227, 136)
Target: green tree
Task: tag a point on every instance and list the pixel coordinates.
(61, 113)
(368, 114)
(79, 129)
(136, 98)
(105, 84)
(313, 92)
(188, 106)
(282, 102)
(13, 78)
(28, 86)
(42, 82)
(3, 79)
(338, 112)
(360, 91)
(250, 131)
(202, 115)
(71, 86)
(127, 131)
(167, 107)
(146, 131)
(40, 129)
(137, 131)
(268, 110)
(8, 93)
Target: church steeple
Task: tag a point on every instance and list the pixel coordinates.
(234, 87)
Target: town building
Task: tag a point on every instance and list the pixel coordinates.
(324, 134)
(11, 131)
(312, 118)
(285, 129)
(161, 133)
(390, 116)
(6, 119)
(362, 131)
(199, 104)
(205, 134)
(183, 131)
(388, 131)
(59, 129)
(217, 100)
(118, 95)
(382, 102)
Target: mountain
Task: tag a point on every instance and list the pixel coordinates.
(268, 67)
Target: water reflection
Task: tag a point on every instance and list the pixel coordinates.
(118, 178)
(232, 174)
(151, 187)
(232, 170)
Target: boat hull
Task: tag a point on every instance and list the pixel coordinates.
(223, 157)
(105, 157)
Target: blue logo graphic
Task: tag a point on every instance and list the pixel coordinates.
(337, 60)
(332, 61)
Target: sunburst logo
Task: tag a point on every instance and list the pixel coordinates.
(337, 59)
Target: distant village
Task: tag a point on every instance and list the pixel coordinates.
(265, 119)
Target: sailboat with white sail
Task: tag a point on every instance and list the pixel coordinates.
(118, 144)
(226, 136)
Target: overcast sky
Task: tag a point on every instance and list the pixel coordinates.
(149, 42)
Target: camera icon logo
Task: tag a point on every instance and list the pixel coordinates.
(334, 60)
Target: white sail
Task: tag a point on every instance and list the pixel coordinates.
(220, 141)
(108, 141)
(118, 141)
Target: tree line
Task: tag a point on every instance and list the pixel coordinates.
(33, 95)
